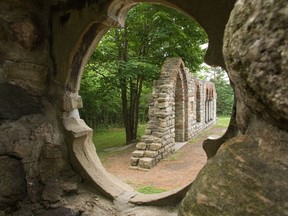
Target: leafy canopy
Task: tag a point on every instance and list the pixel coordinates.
(132, 56)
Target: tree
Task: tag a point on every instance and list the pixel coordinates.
(129, 58)
(224, 91)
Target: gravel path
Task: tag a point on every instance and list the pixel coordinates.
(178, 169)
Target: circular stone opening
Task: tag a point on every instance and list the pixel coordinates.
(84, 157)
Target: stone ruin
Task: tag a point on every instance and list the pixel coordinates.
(48, 162)
(181, 106)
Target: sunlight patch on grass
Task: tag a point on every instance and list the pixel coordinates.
(148, 189)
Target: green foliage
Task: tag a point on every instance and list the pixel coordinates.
(118, 78)
(150, 190)
(101, 108)
(162, 32)
(225, 94)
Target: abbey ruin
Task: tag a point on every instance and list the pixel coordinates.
(181, 106)
(48, 163)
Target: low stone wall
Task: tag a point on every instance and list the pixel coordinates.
(181, 106)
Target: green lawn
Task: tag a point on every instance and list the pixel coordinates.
(150, 190)
(114, 137)
(223, 121)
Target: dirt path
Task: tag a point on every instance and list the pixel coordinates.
(178, 169)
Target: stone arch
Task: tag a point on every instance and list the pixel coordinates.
(78, 48)
(79, 136)
(181, 107)
(209, 102)
(171, 114)
(261, 87)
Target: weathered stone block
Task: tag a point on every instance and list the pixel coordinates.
(166, 89)
(147, 163)
(163, 124)
(138, 153)
(162, 105)
(163, 95)
(161, 100)
(151, 154)
(134, 161)
(149, 139)
(161, 150)
(16, 101)
(141, 146)
(155, 146)
(155, 95)
(157, 134)
(161, 114)
(148, 132)
(35, 76)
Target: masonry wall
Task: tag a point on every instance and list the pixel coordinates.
(181, 106)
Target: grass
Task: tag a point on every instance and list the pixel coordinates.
(148, 189)
(114, 137)
(223, 121)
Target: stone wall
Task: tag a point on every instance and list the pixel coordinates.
(180, 107)
(248, 174)
(32, 147)
(43, 48)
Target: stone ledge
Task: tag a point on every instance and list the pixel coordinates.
(72, 102)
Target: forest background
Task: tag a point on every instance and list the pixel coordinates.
(118, 79)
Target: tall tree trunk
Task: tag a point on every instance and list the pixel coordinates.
(135, 93)
(137, 102)
(122, 58)
(130, 104)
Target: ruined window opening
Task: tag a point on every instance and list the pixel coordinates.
(198, 101)
(180, 114)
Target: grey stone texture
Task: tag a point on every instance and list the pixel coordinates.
(259, 68)
(61, 211)
(12, 182)
(248, 175)
(44, 46)
(180, 107)
(16, 102)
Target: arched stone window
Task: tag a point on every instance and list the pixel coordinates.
(198, 102)
(207, 105)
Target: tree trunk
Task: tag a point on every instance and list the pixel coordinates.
(122, 58)
(135, 93)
